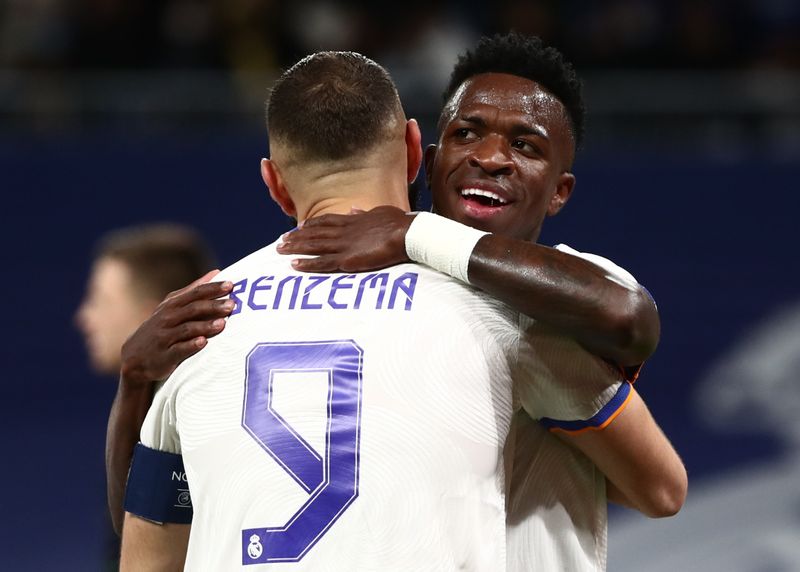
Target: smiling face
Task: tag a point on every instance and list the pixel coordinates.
(504, 154)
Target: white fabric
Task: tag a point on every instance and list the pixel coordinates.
(437, 403)
(442, 244)
(615, 273)
(557, 505)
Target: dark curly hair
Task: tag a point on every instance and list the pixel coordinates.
(528, 57)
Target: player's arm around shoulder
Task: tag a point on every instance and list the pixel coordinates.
(609, 316)
(583, 400)
(151, 547)
(643, 470)
(585, 296)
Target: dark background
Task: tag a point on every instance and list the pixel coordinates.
(114, 113)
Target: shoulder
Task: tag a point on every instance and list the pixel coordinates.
(257, 258)
(612, 268)
(444, 304)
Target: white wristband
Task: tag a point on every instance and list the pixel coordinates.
(443, 244)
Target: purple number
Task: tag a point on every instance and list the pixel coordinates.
(330, 478)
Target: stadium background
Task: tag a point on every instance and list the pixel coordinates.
(115, 112)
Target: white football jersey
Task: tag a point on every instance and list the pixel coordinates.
(355, 422)
(557, 504)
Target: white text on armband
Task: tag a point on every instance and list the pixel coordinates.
(374, 291)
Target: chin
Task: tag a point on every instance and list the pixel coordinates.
(483, 220)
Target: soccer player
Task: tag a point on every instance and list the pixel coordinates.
(512, 120)
(346, 421)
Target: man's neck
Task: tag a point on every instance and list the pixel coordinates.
(363, 189)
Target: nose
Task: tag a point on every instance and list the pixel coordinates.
(493, 155)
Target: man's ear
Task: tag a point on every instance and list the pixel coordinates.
(277, 190)
(413, 149)
(564, 186)
(430, 157)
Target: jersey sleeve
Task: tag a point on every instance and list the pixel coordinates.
(614, 272)
(623, 278)
(157, 487)
(160, 430)
(564, 386)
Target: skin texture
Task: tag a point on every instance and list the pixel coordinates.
(110, 311)
(642, 470)
(151, 547)
(504, 134)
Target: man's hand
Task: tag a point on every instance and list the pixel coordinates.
(179, 328)
(356, 242)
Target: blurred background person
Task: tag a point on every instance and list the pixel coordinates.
(134, 268)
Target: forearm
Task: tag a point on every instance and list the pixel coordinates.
(151, 547)
(643, 469)
(124, 423)
(616, 496)
(609, 319)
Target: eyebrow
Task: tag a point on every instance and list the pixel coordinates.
(517, 129)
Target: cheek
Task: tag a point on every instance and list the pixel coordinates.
(131, 319)
(448, 160)
(113, 321)
(541, 183)
(439, 179)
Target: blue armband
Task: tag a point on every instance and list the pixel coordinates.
(600, 419)
(157, 487)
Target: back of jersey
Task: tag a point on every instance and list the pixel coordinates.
(345, 422)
